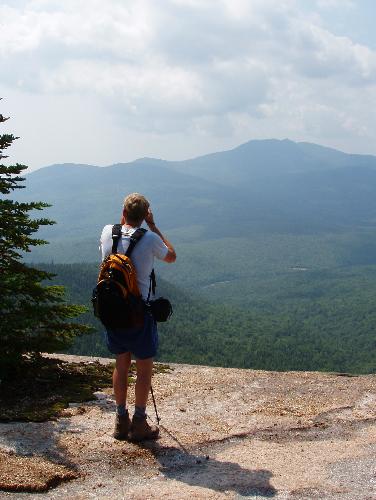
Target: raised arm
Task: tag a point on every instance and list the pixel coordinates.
(171, 254)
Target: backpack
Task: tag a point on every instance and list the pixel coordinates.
(116, 299)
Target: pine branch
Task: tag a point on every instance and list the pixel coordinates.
(34, 317)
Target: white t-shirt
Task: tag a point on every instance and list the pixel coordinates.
(150, 246)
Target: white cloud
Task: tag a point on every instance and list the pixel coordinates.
(332, 4)
(211, 68)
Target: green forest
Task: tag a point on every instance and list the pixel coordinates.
(295, 320)
(276, 247)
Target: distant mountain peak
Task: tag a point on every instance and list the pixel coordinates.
(147, 159)
(258, 151)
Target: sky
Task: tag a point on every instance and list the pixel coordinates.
(102, 82)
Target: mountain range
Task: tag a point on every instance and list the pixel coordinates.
(276, 247)
(261, 187)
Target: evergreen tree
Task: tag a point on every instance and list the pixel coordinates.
(34, 317)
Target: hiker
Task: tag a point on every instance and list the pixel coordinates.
(141, 342)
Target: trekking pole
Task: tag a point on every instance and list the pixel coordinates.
(155, 406)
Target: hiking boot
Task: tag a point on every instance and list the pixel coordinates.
(141, 430)
(122, 426)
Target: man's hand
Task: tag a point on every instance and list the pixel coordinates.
(149, 219)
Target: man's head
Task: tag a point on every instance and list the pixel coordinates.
(135, 208)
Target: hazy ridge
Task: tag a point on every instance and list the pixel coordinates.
(276, 250)
(261, 187)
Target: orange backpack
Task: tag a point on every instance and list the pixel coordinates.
(116, 299)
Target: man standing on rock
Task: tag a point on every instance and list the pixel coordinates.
(142, 343)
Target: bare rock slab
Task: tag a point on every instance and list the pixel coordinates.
(225, 433)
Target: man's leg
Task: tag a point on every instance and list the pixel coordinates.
(140, 428)
(120, 383)
(143, 382)
(120, 377)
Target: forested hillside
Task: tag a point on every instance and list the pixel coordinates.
(315, 320)
(276, 245)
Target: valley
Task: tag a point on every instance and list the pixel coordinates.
(276, 245)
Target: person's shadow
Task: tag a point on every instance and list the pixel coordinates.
(178, 463)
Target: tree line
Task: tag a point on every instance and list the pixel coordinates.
(333, 330)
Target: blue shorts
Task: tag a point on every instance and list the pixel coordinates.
(143, 343)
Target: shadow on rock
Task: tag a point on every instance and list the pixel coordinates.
(201, 470)
(32, 459)
(36, 439)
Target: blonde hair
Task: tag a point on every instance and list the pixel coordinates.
(136, 206)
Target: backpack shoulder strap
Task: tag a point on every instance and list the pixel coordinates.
(134, 239)
(116, 233)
